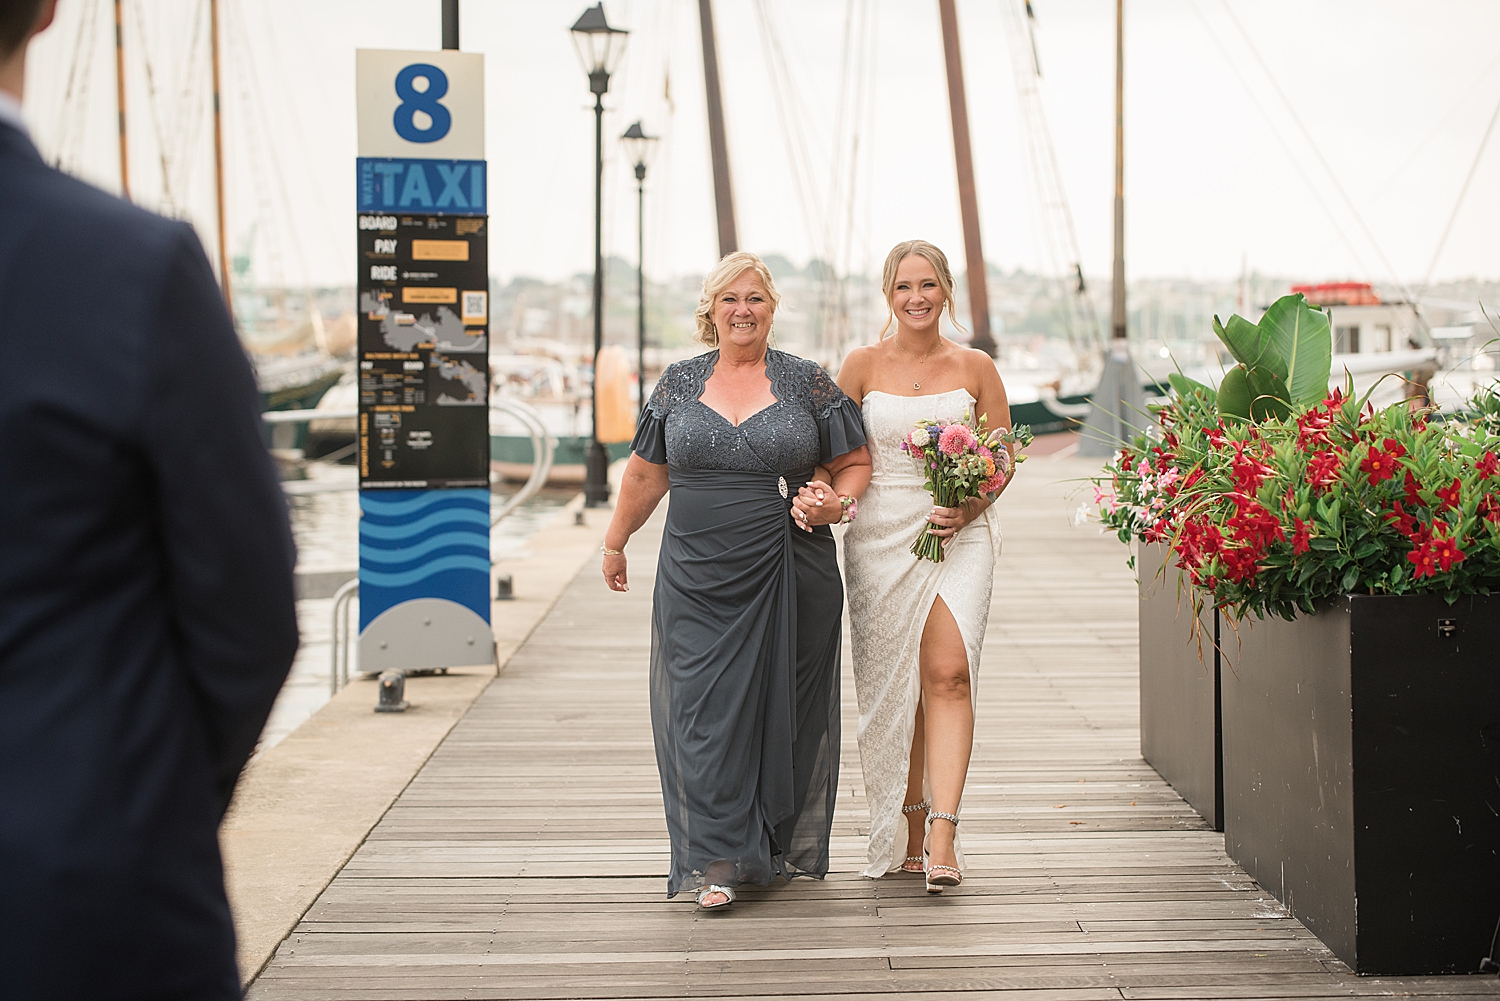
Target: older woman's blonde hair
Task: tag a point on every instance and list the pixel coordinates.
(723, 273)
(939, 262)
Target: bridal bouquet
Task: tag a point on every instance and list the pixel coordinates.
(961, 460)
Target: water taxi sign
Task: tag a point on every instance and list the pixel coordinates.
(423, 287)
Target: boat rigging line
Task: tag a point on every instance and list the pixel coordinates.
(1458, 203)
(1285, 145)
(1060, 237)
(1318, 152)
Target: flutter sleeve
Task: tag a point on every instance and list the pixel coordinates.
(650, 441)
(680, 381)
(841, 428)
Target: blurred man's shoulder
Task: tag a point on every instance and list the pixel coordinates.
(58, 209)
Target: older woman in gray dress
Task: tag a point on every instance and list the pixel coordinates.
(745, 624)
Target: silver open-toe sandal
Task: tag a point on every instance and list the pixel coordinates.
(915, 863)
(939, 876)
(710, 888)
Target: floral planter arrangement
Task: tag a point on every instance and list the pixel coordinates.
(1360, 724)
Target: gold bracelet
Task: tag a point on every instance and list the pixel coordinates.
(611, 552)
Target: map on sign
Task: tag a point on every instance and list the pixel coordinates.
(442, 328)
(456, 383)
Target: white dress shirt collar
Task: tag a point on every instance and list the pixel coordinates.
(10, 113)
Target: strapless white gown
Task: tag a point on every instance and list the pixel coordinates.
(890, 594)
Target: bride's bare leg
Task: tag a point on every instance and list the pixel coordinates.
(915, 822)
(949, 719)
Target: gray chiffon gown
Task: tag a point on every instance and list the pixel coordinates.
(745, 626)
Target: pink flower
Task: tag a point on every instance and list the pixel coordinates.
(954, 440)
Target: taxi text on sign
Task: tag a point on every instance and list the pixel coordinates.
(424, 496)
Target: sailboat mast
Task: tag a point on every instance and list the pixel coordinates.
(1117, 311)
(968, 203)
(120, 96)
(213, 20)
(717, 141)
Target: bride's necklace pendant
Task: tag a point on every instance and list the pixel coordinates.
(916, 385)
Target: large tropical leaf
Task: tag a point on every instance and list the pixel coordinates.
(1184, 386)
(1268, 395)
(1255, 394)
(1234, 393)
(1243, 339)
(1299, 336)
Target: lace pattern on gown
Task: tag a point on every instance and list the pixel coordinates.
(810, 420)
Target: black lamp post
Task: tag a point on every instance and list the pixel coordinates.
(638, 147)
(599, 49)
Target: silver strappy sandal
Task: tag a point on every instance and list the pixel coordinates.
(940, 876)
(709, 888)
(920, 861)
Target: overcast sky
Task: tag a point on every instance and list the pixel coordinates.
(837, 115)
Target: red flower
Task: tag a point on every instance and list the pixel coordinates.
(1489, 508)
(1301, 536)
(1425, 560)
(1449, 494)
(1488, 466)
(1405, 523)
(1380, 465)
(1394, 447)
(1323, 469)
(1247, 471)
(1413, 490)
(1446, 552)
(1215, 436)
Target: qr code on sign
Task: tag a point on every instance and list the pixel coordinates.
(476, 307)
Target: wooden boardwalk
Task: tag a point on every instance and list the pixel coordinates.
(528, 858)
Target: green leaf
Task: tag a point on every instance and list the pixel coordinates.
(1268, 395)
(1243, 339)
(1186, 387)
(1300, 344)
(1234, 393)
(1351, 577)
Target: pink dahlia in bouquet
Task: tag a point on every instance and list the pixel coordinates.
(960, 460)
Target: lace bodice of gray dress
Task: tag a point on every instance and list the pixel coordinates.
(811, 421)
(745, 626)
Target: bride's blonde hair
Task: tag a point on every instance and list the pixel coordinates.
(932, 255)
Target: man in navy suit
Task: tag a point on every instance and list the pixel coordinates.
(147, 618)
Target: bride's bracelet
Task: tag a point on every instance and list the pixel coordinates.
(611, 552)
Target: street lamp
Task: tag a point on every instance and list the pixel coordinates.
(638, 147)
(599, 49)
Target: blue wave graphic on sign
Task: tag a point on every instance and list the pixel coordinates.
(401, 529)
(424, 544)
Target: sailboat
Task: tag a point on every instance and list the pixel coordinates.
(295, 355)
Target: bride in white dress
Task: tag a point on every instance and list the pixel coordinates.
(918, 626)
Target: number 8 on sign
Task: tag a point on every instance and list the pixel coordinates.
(426, 101)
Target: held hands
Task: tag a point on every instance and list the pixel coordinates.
(816, 504)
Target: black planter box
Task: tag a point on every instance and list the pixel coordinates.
(1179, 692)
(1362, 775)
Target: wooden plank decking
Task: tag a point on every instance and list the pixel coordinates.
(528, 858)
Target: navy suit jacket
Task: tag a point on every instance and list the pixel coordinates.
(147, 617)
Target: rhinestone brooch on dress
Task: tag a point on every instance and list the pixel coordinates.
(781, 485)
